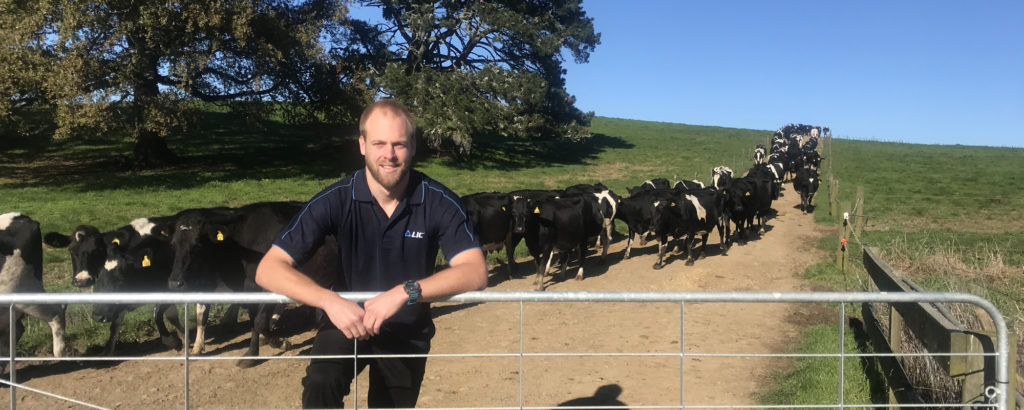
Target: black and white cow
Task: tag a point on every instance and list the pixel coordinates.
(760, 154)
(139, 258)
(700, 211)
(685, 185)
(812, 159)
(637, 211)
(221, 250)
(491, 216)
(565, 225)
(747, 198)
(88, 249)
(806, 184)
(650, 184)
(607, 203)
(721, 176)
(21, 271)
(525, 226)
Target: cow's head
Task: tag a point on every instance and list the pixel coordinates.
(134, 263)
(88, 249)
(195, 238)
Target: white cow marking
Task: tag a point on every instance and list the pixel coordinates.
(7, 219)
(83, 275)
(143, 226)
(702, 213)
(110, 265)
(812, 179)
(14, 268)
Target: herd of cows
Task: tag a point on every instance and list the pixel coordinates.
(218, 249)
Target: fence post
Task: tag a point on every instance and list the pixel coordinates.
(844, 227)
(895, 343)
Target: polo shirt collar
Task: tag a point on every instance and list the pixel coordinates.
(414, 192)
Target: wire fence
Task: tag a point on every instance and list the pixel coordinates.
(997, 393)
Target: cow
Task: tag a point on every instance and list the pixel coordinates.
(139, 257)
(692, 213)
(650, 184)
(747, 198)
(607, 203)
(684, 185)
(21, 271)
(806, 184)
(812, 159)
(221, 250)
(524, 221)
(88, 249)
(760, 153)
(770, 173)
(637, 211)
(491, 216)
(564, 225)
(721, 176)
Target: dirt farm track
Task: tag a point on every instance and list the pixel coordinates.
(771, 263)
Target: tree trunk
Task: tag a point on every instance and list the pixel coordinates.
(151, 151)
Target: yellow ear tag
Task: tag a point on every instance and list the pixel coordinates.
(503, 208)
(673, 204)
(536, 210)
(163, 233)
(145, 261)
(746, 194)
(220, 236)
(116, 241)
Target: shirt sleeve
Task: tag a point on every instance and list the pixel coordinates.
(455, 232)
(307, 229)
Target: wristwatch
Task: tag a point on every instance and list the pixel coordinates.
(412, 288)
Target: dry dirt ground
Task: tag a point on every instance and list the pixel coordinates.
(772, 262)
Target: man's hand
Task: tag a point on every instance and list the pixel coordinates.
(383, 306)
(347, 316)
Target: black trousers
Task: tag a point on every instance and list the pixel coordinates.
(394, 382)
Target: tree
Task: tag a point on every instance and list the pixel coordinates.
(139, 67)
(472, 67)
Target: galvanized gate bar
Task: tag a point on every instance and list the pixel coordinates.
(1002, 345)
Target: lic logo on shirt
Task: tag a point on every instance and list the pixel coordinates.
(412, 234)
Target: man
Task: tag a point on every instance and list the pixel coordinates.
(389, 222)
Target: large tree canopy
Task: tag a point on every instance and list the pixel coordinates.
(471, 67)
(145, 68)
(138, 68)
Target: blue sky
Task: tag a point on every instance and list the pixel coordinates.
(937, 72)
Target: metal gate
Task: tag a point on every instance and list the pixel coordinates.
(996, 393)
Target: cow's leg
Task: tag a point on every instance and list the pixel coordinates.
(510, 254)
(582, 253)
(661, 253)
(53, 315)
(202, 314)
(542, 271)
(258, 318)
(629, 243)
(703, 244)
(166, 337)
(275, 317)
(57, 332)
(563, 260)
(115, 331)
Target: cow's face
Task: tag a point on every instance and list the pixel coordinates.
(88, 249)
(192, 240)
(121, 265)
(521, 210)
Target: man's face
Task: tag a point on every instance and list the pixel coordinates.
(387, 151)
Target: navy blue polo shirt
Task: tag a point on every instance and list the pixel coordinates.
(376, 253)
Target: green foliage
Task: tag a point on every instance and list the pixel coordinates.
(475, 68)
(134, 68)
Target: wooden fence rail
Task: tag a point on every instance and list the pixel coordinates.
(936, 332)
